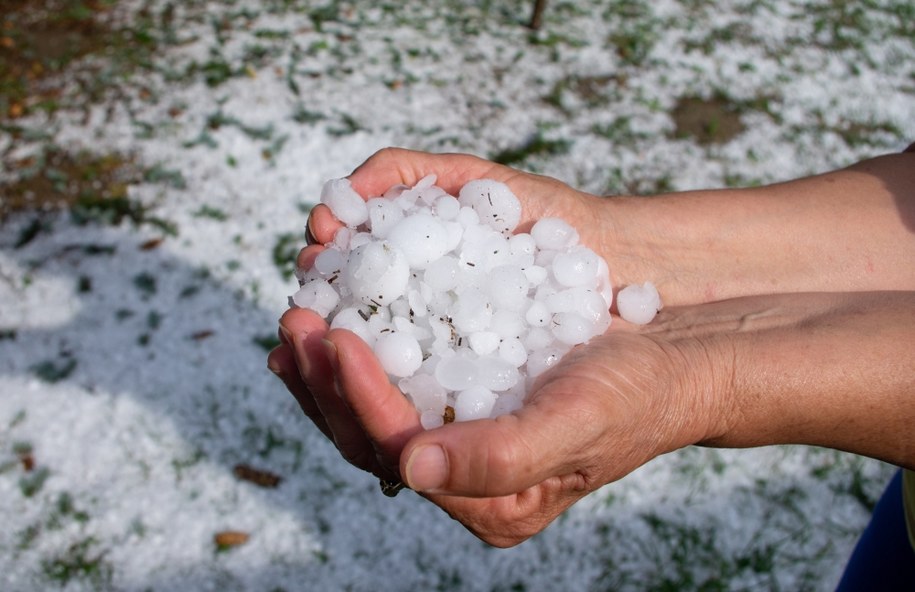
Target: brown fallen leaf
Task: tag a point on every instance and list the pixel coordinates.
(257, 476)
(28, 462)
(230, 538)
(151, 244)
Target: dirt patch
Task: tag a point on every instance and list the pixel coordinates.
(56, 179)
(708, 121)
(39, 40)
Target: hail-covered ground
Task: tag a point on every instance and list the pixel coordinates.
(143, 443)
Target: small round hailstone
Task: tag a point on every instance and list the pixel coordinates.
(329, 262)
(638, 304)
(553, 234)
(537, 315)
(484, 342)
(377, 273)
(493, 202)
(383, 216)
(512, 351)
(347, 205)
(508, 287)
(317, 295)
(442, 275)
(351, 319)
(474, 403)
(399, 354)
(446, 207)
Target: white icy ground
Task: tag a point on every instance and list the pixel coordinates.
(134, 378)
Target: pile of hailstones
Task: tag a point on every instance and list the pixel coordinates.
(459, 311)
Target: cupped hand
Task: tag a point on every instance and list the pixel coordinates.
(540, 196)
(604, 410)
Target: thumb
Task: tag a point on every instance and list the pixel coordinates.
(493, 457)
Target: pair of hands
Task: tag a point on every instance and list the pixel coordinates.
(608, 407)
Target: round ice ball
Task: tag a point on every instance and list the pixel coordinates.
(508, 287)
(351, 319)
(493, 202)
(474, 403)
(554, 234)
(456, 373)
(576, 267)
(377, 273)
(572, 328)
(421, 238)
(442, 275)
(399, 354)
(347, 205)
(383, 215)
(329, 262)
(316, 295)
(638, 304)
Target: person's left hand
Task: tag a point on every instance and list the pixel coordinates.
(602, 411)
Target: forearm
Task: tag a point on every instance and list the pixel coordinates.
(835, 370)
(848, 230)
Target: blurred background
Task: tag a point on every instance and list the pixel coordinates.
(157, 163)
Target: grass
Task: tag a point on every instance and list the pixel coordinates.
(62, 57)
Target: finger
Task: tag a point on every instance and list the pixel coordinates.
(322, 224)
(509, 520)
(305, 330)
(497, 457)
(281, 362)
(394, 166)
(305, 260)
(384, 413)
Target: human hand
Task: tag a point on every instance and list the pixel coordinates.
(605, 409)
(598, 227)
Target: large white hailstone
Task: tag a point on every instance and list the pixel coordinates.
(347, 205)
(399, 354)
(576, 267)
(638, 304)
(421, 238)
(456, 373)
(377, 273)
(474, 403)
(462, 313)
(552, 234)
(493, 202)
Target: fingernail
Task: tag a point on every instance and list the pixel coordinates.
(286, 336)
(331, 351)
(275, 369)
(309, 235)
(427, 468)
